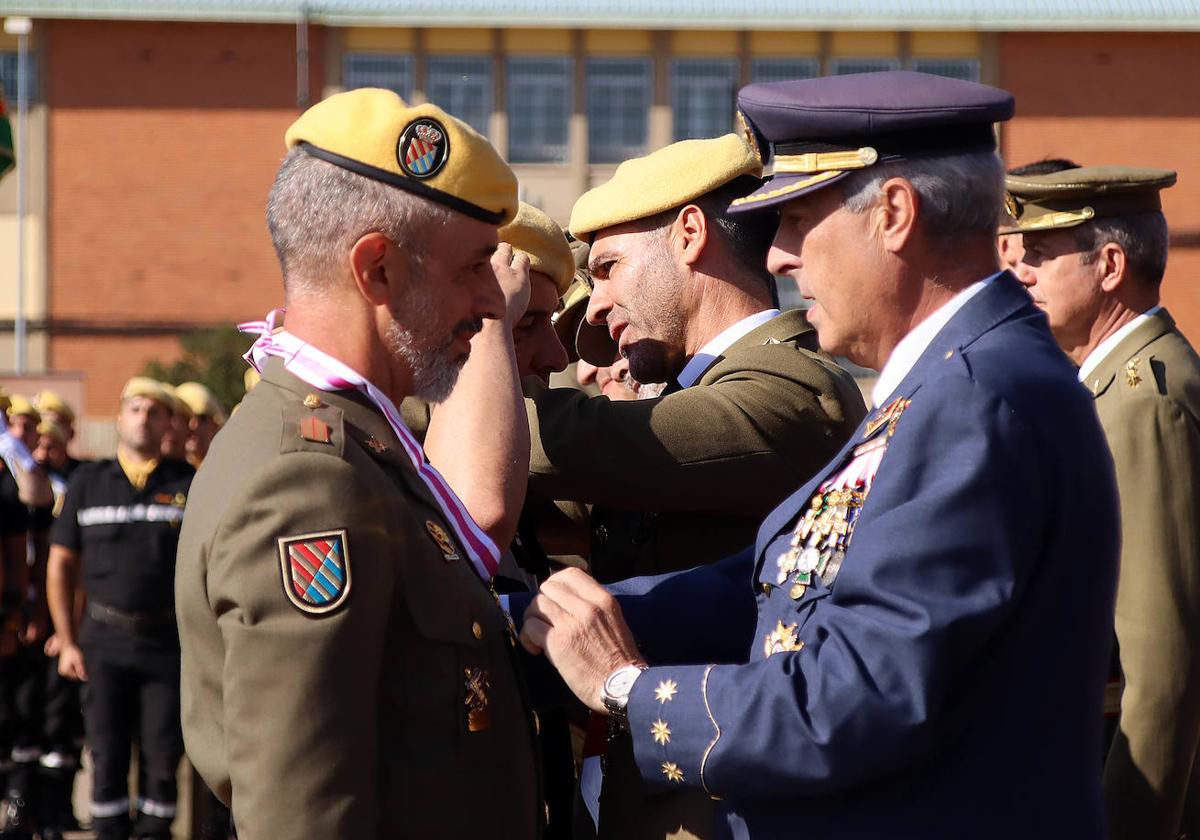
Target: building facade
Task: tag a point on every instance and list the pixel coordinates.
(154, 135)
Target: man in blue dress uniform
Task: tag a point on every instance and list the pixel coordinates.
(916, 645)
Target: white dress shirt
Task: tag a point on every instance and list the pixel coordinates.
(725, 339)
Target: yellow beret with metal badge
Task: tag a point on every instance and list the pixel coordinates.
(48, 400)
(19, 406)
(201, 401)
(538, 237)
(1073, 196)
(668, 178)
(144, 386)
(417, 148)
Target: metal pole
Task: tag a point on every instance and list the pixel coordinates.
(302, 95)
(21, 27)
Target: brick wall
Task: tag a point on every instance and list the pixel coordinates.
(163, 139)
(1127, 98)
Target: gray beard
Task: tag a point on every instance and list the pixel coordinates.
(433, 374)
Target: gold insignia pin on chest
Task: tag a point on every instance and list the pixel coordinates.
(444, 543)
(1132, 377)
(477, 685)
(376, 445)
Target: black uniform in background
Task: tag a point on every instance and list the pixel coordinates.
(126, 539)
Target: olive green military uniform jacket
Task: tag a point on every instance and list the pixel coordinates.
(686, 479)
(399, 712)
(1148, 397)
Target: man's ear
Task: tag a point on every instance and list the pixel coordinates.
(374, 279)
(692, 226)
(896, 214)
(1113, 266)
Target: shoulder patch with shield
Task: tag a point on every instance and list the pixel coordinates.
(316, 570)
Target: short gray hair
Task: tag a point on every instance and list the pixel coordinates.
(1143, 237)
(960, 194)
(316, 211)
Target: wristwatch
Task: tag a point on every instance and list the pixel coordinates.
(615, 693)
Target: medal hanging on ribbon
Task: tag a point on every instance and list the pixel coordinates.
(328, 374)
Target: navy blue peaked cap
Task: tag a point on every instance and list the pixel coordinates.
(811, 133)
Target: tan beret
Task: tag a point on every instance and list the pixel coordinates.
(201, 401)
(1071, 197)
(19, 406)
(48, 400)
(152, 389)
(418, 148)
(536, 234)
(250, 378)
(671, 177)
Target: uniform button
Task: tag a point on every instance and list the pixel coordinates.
(477, 629)
(766, 588)
(601, 535)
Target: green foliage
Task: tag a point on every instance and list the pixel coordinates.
(211, 357)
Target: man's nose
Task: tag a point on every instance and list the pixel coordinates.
(599, 305)
(781, 261)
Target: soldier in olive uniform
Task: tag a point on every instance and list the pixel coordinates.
(347, 671)
(1095, 251)
(752, 407)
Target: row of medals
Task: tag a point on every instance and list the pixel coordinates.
(819, 542)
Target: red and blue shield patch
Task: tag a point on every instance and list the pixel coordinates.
(316, 570)
(423, 148)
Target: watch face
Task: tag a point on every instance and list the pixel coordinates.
(621, 681)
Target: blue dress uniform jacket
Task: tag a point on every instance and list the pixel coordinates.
(948, 681)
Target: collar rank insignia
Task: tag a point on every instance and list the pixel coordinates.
(1132, 377)
(477, 685)
(781, 640)
(316, 570)
(315, 429)
(423, 148)
(889, 415)
(444, 544)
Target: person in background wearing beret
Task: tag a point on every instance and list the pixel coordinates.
(115, 541)
(875, 665)
(208, 416)
(1095, 243)
(347, 671)
(751, 407)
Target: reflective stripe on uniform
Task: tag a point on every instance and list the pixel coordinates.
(115, 808)
(151, 808)
(119, 514)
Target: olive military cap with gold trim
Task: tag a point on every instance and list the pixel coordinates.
(1073, 196)
(538, 237)
(813, 133)
(671, 177)
(417, 148)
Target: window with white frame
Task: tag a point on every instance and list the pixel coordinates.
(783, 69)
(539, 108)
(843, 66)
(703, 93)
(618, 104)
(393, 71)
(462, 86)
(966, 69)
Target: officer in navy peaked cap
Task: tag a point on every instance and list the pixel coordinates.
(916, 644)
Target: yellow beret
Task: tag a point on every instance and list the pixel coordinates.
(249, 379)
(670, 177)
(144, 386)
(52, 430)
(571, 309)
(536, 234)
(5, 400)
(48, 400)
(18, 406)
(201, 401)
(418, 148)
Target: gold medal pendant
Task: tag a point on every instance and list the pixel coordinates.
(479, 718)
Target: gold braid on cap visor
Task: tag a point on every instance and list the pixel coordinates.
(824, 166)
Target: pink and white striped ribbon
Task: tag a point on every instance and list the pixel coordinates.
(328, 374)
